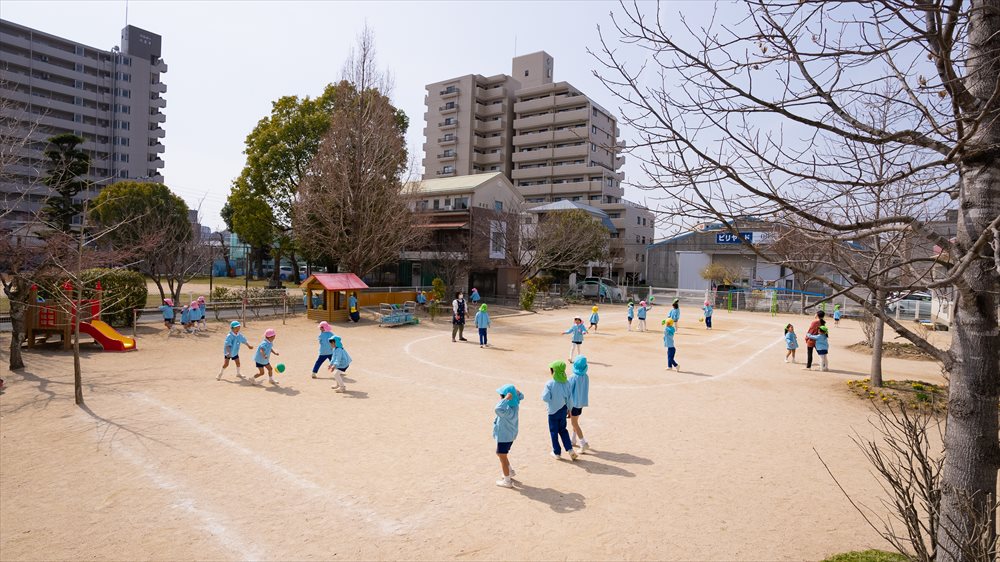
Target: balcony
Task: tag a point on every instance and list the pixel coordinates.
(158, 102)
(444, 109)
(443, 173)
(160, 66)
(573, 134)
(157, 133)
(572, 116)
(571, 151)
(491, 93)
(156, 163)
(534, 122)
(565, 100)
(449, 93)
(157, 147)
(528, 173)
(445, 156)
(158, 87)
(490, 126)
(619, 161)
(445, 125)
(533, 155)
(443, 141)
(534, 105)
(489, 142)
(489, 110)
(488, 159)
(157, 117)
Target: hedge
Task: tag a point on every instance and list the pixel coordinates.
(122, 290)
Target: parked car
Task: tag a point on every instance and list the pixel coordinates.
(601, 287)
(286, 273)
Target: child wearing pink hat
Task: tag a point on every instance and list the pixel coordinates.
(641, 315)
(263, 357)
(168, 315)
(194, 314)
(325, 347)
(201, 313)
(708, 315)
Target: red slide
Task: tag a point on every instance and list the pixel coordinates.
(108, 337)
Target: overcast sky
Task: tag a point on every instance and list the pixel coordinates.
(229, 60)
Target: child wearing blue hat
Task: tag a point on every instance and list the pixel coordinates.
(232, 349)
(560, 401)
(579, 390)
(505, 429)
(339, 364)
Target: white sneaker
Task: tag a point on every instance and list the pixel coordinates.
(584, 446)
(314, 375)
(505, 483)
(555, 456)
(341, 389)
(512, 473)
(254, 381)
(240, 376)
(272, 381)
(572, 454)
(786, 360)
(219, 378)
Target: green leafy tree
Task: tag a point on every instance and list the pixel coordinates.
(153, 221)
(66, 164)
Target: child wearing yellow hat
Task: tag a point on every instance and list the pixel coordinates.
(594, 318)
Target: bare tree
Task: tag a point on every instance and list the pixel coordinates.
(561, 241)
(353, 207)
(752, 117)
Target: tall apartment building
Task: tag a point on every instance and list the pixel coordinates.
(552, 141)
(113, 99)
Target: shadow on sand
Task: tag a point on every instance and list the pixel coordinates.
(559, 502)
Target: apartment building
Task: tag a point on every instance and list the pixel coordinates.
(113, 99)
(552, 141)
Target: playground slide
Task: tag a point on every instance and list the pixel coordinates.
(108, 337)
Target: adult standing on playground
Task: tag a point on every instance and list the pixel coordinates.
(459, 309)
(810, 343)
(352, 307)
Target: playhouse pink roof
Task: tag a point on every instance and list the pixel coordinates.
(337, 281)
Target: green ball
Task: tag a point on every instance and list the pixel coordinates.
(280, 367)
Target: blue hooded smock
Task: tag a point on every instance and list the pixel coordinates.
(263, 355)
(505, 423)
(577, 330)
(340, 360)
(482, 319)
(325, 347)
(822, 341)
(579, 383)
(233, 342)
(631, 311)
(642, 313)
(186, 316)
(791, 342)
(594, 318)
(674, 314)
(668, 336)
(708, 311)
(168, 312)
(557, 395)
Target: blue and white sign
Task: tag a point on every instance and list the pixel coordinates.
(730, 238)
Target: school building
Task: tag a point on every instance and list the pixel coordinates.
(678, 261)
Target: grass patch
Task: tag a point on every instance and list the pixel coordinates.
(867, 556)
(918, 395)
(894, 349)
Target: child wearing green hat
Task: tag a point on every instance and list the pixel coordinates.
(482, 322)
(505, 429)
(559, 398)
(232, 349)
(822, 340)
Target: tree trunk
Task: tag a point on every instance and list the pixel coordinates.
(969, 477)
(259, 260)
(876, 370)
(17, 294)
(276, 270)
(295, 267)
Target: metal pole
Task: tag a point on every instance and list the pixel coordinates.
(135, 317)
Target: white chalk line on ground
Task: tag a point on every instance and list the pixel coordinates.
(343, 501)
(241, 548)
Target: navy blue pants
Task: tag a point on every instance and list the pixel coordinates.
(557, 430)
(708, 321)
(319, 362)
(671, 352)
(482, 336)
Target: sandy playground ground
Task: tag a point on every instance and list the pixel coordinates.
(713, 463)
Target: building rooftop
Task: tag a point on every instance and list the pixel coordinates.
(573, 205)
(457, 183)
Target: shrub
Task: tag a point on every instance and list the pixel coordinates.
(438, 289)
(528, 292)
(867, 556)
(122, 291)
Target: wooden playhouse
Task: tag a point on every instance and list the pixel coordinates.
(326, 296)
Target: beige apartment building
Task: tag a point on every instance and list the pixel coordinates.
(551, 140)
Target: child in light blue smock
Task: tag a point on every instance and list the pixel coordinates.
(263, 357)
(559, 400)
(641, 315)
(578, 331)
(675, 313)
(630, 314)
(325, 346)
(579, 389)
(707, 309)
(505, 429)
(791, 343)
(339, 364)
(668, 342)
(822, 340)
(186, 318)
(594, 318)
(483, 323)
(836, 315)
(231, 348)
(167, 308)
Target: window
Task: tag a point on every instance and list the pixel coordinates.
(493, 168)
(525, 72)
(636, 238)
(449, 121)
(638, 220)
(437, 204)
(449, 169)
(498, 206)
(593, 129)
(449, 105)
(643, 239)
(461, 202)
(644, 221)
(449, 152)
(497, 242)
(449, 137)
(614, 235)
